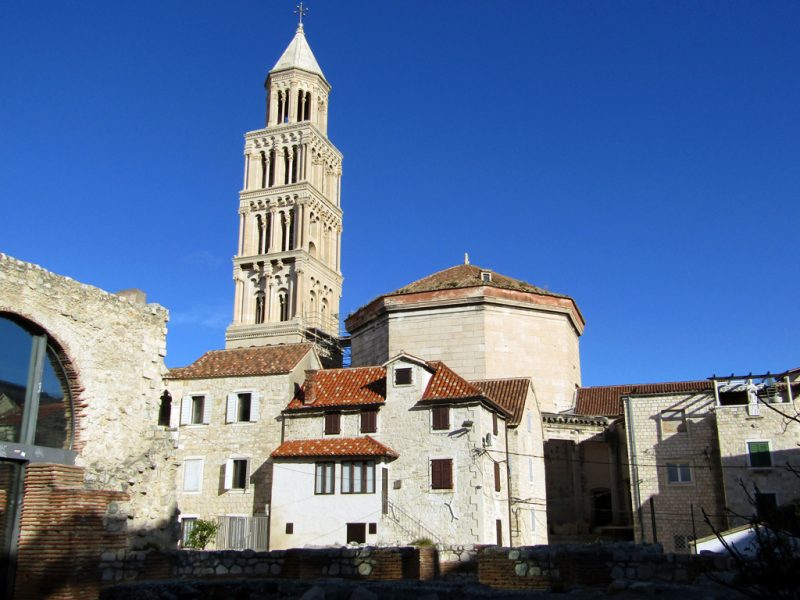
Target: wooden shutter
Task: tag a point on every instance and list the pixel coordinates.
(442, 473)
(369, 421)
(447, 473)
(186, 410)
(441, 417)
(496, 477)
(254, 397)
(230, 408)
(228, 474)
(207, 409)
(332, 424)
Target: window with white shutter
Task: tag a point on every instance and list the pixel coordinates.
(186, 410)
(193, 475)
(230, 408)
(254, 399)
(237, 474)
(207, 410)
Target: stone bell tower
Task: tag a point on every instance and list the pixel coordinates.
(287, 268)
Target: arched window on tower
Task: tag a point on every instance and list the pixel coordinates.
(300, 104)
(165, 409)
(284, 231)
(260, 308)
(268, 233)
(286, 165)
(292, 224)
(307, 108)
(323, 313)
(312, 249)
(271, 173)
(260, 228)
(283, 304)
(295, 163)
(263, 170)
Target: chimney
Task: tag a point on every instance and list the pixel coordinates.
(310, 387)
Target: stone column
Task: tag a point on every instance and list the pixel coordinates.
(272, 116)
(241, 234)
(338, 249)
(273, 229)
(291, 165)
(293, 103)
(304, 224)
(237, 299)
(297, 224)
(300, 293)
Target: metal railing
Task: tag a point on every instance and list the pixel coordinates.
(242, 533)
(412, 526)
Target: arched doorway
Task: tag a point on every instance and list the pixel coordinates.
(37, 421)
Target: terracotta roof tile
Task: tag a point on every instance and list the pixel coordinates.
(508, 393)
(607, 400)
(341, 387)
(263, 360)
(445, 384)
(462, 276)
(361, 446)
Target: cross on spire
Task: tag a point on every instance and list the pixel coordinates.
(301, 11)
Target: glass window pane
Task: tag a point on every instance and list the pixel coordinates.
(672, 473)
(329, 478)
(370, 477)
(685, 473)
(15, 356)
(54, 422)
(357, 485)
(347, 469)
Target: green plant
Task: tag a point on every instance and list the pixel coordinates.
(201, 534)
(423, 541)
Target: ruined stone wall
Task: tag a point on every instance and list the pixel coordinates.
(115, 348)
(656, 441)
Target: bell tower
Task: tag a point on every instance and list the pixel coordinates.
(287, 268)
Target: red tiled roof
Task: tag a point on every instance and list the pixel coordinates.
(263, 360)
(508, 393)
(445, 384)
(341, 387)
(462, 276)
(606, 401)
(361, 446)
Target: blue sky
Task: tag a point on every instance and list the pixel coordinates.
(641, 157)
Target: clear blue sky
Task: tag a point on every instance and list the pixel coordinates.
(641, 157)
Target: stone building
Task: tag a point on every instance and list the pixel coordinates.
(84, 464)
(287, 269)
(408, 450)
(225, 408)
(483, 324)
(721, 446)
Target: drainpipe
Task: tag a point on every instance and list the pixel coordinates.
(508, 484)
(632, 456)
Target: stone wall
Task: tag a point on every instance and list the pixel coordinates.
(654, 442)
(114, 349)
(357, 562)
(608, 567)
(735, 427)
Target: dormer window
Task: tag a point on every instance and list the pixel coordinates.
(403, 376)
(486, 276)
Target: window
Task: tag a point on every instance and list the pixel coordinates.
(496, 477)
(494, 424)
(332, 423)
(324, 478)
(679, 473)
(193, 475)
(357, 532)
(499, 527)
(530, 469)
(242, 407)
(766, 502)
(187, 524)
(403, 376)
(440, 418)
(673, 421)
(165, 409)
(24, 386)
(369, 421)
(289, 528)
(195, 409)
(358, 477)
(759, 455)
(237, 473)
(486, 276)
(373, 528)
(442, 473)
(681, 541)
(529, 419)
